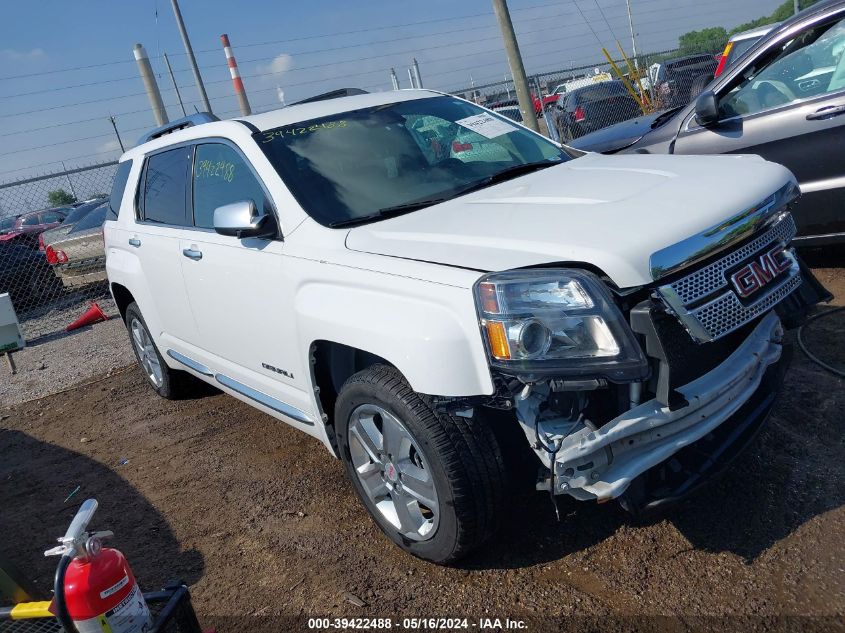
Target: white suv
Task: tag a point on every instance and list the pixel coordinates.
(412, 279)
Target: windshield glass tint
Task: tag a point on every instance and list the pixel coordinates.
(354, 164)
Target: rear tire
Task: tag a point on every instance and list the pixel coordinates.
(166, 382)
(451, 467)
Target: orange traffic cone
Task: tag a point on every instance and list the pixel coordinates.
(93, 315)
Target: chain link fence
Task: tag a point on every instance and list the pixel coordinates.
(52, 258)
(584, 99)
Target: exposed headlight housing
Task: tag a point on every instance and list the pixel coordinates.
(556, 321)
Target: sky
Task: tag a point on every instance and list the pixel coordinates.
(66, 67)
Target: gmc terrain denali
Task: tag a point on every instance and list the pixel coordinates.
(412, 279)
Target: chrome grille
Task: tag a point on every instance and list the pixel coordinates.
(707, 280)
(724, 312)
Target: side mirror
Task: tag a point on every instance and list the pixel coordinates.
(241, 219)
(707, 108)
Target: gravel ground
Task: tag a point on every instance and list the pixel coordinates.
(63, 360)
(261, 522)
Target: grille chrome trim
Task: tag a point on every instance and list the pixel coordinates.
(707, 280)
(724, 312)
(722, 236)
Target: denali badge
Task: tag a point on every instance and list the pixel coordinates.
(756, 274)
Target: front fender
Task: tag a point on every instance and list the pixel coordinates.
(429, 331)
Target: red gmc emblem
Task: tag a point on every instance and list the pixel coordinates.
(755, 275)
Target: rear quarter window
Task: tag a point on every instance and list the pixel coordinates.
(121, 177)
(166, 187)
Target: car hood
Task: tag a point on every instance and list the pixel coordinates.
(615, 137)
(611, 212)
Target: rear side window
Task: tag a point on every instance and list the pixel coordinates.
(92, 220)
(604, 90)
(31, 220)
(221, 177)
(48, 217)
(165, 187)
(118, 186)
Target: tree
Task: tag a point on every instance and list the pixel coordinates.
(59, 197)
(703, 41)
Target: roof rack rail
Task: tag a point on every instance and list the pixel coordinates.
(179, 124)
(334, 94)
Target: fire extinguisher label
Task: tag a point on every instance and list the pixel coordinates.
(115, 588)
(130, 616)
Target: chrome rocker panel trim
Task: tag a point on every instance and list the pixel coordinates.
(263, 399)
(601, 464)
(190, 363)
(721, 236)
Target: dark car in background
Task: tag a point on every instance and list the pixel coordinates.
(592, 108)
(784, 100)
(26, 276)
(26, 227)
(677, 81)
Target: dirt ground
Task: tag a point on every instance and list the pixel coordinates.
(260, 521)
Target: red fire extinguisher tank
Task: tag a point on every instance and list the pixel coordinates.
(102, 596)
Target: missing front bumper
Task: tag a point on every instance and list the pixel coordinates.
(601, 464)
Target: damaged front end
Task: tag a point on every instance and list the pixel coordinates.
(641, 396)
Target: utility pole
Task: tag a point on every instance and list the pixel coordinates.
(394, 80)
(69, 182)
(417, 73)
(237, 82)
(150, 84)
(523, 94)
(191, 59)
(117, 134)
(633, 38)
(797, 8)
(175, 86)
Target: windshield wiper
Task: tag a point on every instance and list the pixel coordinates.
(389, 212)
(400, 209)
(507, 174)
(665, 116)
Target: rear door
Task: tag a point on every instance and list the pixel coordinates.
(162, 222)
(788, 106)
(240, 291)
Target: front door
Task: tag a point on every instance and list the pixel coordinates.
(240, 294)
(789, 107)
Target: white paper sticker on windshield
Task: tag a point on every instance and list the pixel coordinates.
(486, 125)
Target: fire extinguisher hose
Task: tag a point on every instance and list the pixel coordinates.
(62, 614)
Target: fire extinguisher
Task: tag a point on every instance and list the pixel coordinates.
(95, 590)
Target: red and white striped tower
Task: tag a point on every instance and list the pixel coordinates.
(237, 82)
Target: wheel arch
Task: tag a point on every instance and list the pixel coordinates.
(332, 364)
(122, 298)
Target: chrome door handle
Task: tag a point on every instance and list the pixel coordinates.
(192, 253)
(826, 113)
(134, 241)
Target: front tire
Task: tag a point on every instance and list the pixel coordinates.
(433, 482)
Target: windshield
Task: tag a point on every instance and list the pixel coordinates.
(7, 223)
(354, 165)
